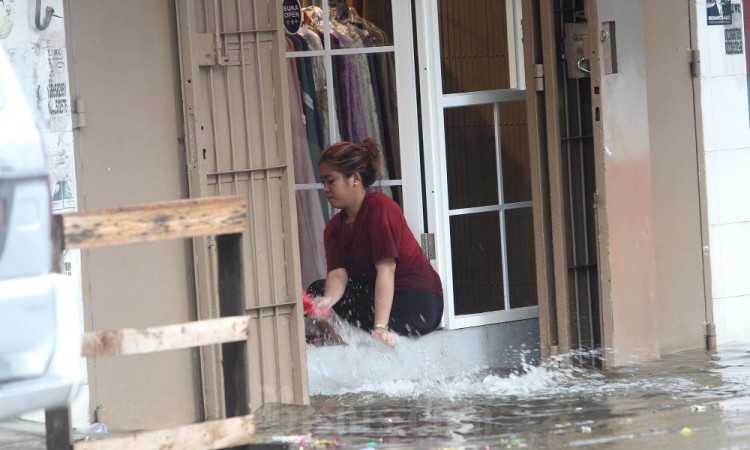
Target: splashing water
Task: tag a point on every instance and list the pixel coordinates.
(686, 400)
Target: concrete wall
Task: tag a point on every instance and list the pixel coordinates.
(726, 125)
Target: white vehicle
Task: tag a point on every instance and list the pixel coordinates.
(40, 320)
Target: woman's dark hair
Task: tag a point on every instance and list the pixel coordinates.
(349, 158)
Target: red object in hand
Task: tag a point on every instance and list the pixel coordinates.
(311, 310)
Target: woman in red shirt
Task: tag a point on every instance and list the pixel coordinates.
(378, 277)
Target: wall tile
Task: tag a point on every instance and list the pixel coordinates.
(707, 105)
(717, 284)
(725, 113)
(732, 324)
(728, 185)
(713, 173)
(734, 242)
(720, 320)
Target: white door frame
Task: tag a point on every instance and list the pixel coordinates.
(406, 87)
(433, 101)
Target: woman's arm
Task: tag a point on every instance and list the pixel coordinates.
(334, 289)
(384, 282)
(384, 288)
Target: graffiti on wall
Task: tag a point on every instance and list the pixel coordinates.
(733, 44)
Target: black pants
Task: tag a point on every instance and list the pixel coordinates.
(413, 313)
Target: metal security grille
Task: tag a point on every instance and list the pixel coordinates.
(576, 164)
(235, 110)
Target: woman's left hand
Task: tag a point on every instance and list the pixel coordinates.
(388, 337)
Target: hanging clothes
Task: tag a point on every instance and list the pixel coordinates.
(312, 38)
(310, 221)
(312, 32)
(382, 91)
(348, 97)
(357, 38)
(384, 76)
(364, 105)
(345, 79)
(313, 121)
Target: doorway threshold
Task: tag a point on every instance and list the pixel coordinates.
(443, 353)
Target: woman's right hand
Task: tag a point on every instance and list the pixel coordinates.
(323, 303)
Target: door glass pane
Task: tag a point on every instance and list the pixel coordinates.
(477, 263)
(514, 144)
(473, 46)
(471, 157)
(519, 230)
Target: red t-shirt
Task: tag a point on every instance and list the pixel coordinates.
(379, 231)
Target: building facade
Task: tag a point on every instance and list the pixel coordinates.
(579, 163)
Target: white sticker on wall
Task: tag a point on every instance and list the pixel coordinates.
(21, 21)
(13, 28)
(52, 90)
(61, 163)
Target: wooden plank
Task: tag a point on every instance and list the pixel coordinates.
(155, 221)
(132, 341)
(59, 434)
(206, 435)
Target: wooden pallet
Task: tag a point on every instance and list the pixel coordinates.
(222, 217)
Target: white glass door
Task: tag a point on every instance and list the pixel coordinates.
(476, 158)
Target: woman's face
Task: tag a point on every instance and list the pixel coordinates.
(341, 191)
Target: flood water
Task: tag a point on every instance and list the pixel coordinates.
(687, 400)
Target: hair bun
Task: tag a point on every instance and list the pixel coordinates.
(373, 152)
(371, 148)
(350, 158)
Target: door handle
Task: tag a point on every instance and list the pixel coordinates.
(42, 25)
(580, 66)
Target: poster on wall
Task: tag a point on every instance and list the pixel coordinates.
(719, 12)
(52, 90)
(32, 36)
(733, 44)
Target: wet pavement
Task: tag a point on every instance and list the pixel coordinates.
(686, 400)
(21, 434)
